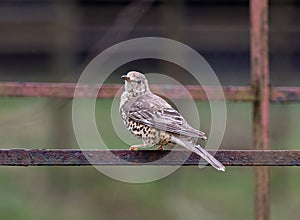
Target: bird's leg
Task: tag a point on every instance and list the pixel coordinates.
(160, 147)
(135, 147)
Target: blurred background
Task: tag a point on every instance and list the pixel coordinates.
(53, 41)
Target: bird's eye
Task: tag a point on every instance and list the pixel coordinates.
(139, 82)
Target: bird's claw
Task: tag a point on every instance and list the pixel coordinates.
(160, 147)
(133, 148)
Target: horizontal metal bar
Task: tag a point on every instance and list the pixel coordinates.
(71, 157)
(66, 90)
(285, 94)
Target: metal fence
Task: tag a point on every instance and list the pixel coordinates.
(260, 93)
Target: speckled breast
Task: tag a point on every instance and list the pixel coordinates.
(150, 136)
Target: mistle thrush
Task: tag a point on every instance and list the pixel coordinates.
(153, 120)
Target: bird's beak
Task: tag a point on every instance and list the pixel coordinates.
(125, 77)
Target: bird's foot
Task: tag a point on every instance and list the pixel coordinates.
(133, 148)
(160, 147)
(137, 146)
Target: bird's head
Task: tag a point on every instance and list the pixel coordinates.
(135, 83)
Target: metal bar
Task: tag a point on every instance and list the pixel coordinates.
(285, 94)
(66, 90)
(260, 82)
(71, 157)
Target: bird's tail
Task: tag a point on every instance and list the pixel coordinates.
(201, 152)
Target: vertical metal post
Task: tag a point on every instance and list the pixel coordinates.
(260, 82)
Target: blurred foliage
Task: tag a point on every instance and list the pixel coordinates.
(189, 193)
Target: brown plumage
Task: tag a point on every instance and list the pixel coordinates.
(152, 119)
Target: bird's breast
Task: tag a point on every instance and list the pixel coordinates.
(135, 128)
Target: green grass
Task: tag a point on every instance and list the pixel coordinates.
(189, 193)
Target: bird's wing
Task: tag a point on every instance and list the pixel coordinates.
(151, 110)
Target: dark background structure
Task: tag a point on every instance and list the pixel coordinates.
(36, 34)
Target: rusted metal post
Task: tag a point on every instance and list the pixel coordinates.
(260, 82)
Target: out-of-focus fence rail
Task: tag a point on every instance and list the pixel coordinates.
(66, 90)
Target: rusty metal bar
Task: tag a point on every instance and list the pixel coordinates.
(284, 94)
(71, 157)
(260, 82)
(66, 90)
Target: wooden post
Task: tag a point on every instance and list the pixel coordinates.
(260, 82)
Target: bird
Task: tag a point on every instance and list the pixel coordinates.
(152, 119)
